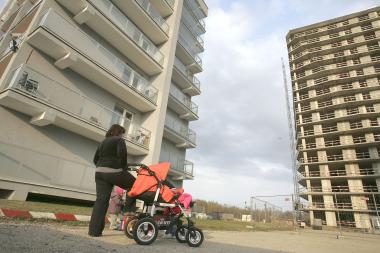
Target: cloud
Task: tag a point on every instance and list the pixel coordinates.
(242, 131)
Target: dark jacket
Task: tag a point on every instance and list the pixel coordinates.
(112, 153)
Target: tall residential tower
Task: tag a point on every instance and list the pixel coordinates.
(335, 73)
(71, 68)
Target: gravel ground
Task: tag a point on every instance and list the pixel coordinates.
(24, 237)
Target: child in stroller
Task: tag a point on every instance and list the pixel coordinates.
(150, 186)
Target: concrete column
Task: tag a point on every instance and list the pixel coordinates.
(352, 169)
(315, 116)
(319, 142)
(349, 154)
(376, 168)
(346, 139)
(324, 170)
(313, 105)
(372, 82)
(322, 156)
(373, 152)
(330, 219)
(362, 220)
(342, 126)
(326, 185)
(19, 194)
(317, 129)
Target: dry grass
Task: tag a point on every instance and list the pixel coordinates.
(45, 207)
(224, 225)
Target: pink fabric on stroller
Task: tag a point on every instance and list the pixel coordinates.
(185, 199)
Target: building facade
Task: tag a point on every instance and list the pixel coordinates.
(335, 74)
(69, 69)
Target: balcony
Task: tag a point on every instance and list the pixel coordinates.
(340, 173)
(72, 48)
(181, 169)
(185, 79)
(48, 101)
(145, 16)
(192, 61)
(164, 7)
(182, 105)
(178, 133)
(105, 19)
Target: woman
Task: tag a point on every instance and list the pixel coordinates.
(111, 164)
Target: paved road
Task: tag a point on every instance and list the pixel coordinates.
(24, 237)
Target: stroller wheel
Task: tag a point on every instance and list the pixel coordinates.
(128, 227)
(180, 234)
(194, 237)
(145, 231)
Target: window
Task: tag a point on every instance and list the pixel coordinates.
(122, 117)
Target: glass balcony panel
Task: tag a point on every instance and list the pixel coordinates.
(54, 22)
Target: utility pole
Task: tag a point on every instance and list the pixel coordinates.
(292, 144)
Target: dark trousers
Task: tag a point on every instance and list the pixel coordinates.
(104, 184)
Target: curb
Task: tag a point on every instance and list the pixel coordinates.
(10, 213)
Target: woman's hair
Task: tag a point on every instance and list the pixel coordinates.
(115, 130)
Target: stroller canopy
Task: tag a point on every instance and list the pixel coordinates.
(145, 182)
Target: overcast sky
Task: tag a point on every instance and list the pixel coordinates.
(243, 144)
(242, 132)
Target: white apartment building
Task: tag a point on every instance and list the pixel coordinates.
(69, 69)
(335, 71)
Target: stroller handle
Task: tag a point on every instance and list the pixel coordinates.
(141, 165)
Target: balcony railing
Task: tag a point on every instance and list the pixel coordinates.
(147, 6)
(127, 26)
(180, 129)
(339, 173)
(99, 54)
(329, 129)
(359, 139)
(177, 94)
(356, 125)
(332, 143)
(188, 47)
(57, 95)
(183, 69)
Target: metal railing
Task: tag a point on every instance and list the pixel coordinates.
(180, 129)
(339, 173)
(42, 88)
(187, 73)
(188, 47)
(153, 13)
(183, 99)
(132, 31)
(99, 54)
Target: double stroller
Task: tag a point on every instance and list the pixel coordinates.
(150, 186)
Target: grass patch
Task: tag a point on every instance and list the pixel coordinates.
(45, 207)
(224, 225)
(43, 221)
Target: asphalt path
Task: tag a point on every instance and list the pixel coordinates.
(24, 237)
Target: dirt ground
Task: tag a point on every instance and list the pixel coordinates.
(285, 241)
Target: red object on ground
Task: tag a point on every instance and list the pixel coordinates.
(65, 216)
(16, 213)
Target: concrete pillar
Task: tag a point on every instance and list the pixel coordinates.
(342, 126)
(376, 168)
(324, 170)
(317, 129)
(349, 154)
(326, 185)
(330, 219)
(19, 194)
(319, 142)
(362, 220)
(346, 139)
(373, 152)
(322, 156)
